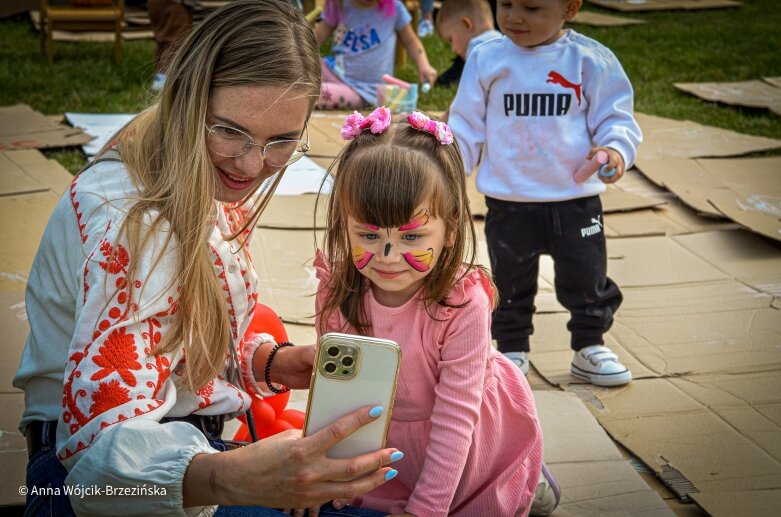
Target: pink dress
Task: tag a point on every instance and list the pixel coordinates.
(464, 415)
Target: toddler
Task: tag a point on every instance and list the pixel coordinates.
(543, 100)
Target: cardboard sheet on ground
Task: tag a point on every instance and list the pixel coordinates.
(670, 219)
(604, 20)
(746, 190)
(27, 170)
(294, 212)
(21, 127)
(720, 432)
(594, 477)
(739, 254)
(659, 5)
(25, 219)
(324, 133)
(286, 277)
(753, 94)
(667, 138)
(13, 449)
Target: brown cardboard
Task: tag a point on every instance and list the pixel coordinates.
(689, 424)
(670, 219)
(750, 502)
(740, 255)
(13, 321)
(616, 200)
(39, 173)
(594, 477)
(294, 212)
(745, 190)
(735, 208)
(286, 277)
(658, 5)
(666, 138)
(754, 94)
(604, 20)
(25, 219)
(23, 128)
(324, 133)
(775, 81)
(13, 449)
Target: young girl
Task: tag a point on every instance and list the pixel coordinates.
(364, 48)
(399, 264)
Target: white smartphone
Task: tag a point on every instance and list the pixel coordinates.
(352, 372)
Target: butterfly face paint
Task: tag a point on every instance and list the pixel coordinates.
(418, 259)
(396, 261)
(361, 257)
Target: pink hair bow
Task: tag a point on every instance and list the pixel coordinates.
(439, 129)
(377, 121)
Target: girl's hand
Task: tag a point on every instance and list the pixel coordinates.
(615, 161)
(287, 470)
(292, 366)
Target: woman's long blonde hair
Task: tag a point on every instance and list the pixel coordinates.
(382, 179)
(247, 42)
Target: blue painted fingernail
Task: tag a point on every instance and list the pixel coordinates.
(391, 474)
(396, 456)
(375, 411)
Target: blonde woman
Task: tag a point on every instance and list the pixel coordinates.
(143, 287)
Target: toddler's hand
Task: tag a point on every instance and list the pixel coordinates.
(428, 74)
(615, 161)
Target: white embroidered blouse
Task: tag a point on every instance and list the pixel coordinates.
(94, 336)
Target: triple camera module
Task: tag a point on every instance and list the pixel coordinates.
(339, 361)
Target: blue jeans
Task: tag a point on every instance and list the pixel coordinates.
(44, 471)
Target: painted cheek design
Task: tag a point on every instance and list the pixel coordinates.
(419, 260)
(361, 257)
(418, 220)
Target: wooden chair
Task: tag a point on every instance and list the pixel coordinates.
(81, 15)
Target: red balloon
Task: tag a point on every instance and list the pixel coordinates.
(277, 426)
(266, 321)
(294, 417)
(242, 434)
(278, 402)
(264, 415)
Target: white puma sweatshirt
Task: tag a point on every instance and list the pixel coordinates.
(539, 111)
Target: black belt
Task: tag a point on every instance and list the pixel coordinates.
(40, 435)
(43, 434)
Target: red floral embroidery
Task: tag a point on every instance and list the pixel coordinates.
(108, 396)
(205, 393)
(117, 258)
(117, 354)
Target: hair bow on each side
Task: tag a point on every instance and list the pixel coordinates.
(440, 130)
(377, 121)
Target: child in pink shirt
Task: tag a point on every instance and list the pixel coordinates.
(399, 264)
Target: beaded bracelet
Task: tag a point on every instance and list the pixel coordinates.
(267, 374)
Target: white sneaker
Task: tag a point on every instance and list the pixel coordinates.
(598, 365)
(425, 28)
(519, 359)
(158, 82)
(547, 495)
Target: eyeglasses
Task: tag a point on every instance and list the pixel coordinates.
(231, 142)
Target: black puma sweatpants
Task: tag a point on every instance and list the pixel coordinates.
(572, 233)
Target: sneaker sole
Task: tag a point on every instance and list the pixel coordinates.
(602, 379)
(552, 482)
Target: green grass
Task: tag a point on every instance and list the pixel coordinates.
(672, 46)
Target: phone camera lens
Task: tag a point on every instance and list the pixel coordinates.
(330, 367)
(333, 351)
(347, 361)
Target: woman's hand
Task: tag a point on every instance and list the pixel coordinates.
(292, 366)
(287, 470)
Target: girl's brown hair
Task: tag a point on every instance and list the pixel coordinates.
(382, 179)
(247, 42)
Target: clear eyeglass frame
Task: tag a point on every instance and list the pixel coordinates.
(301, 148)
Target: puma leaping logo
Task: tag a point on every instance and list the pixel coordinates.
(557, 78)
